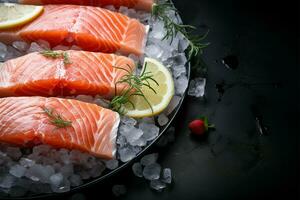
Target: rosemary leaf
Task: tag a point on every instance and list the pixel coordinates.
(160, 11)
(134, 88)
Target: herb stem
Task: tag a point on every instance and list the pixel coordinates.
(56, 119)
(134, 88)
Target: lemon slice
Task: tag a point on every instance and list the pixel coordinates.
(13, 15)
(159, 100)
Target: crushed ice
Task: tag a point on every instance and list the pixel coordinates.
(197, 87)
(150, 170)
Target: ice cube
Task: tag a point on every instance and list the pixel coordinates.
(137, 169)
(34, 47)
(167, 50)
(174, 43)
(75, 180)
(179, 70)
(158, 31)
(127, 153)
(101, 102)
(90, 162)
(56, 179)
(183, 44)
(144, 17)
(40, 173)
(112, 164)
(167, 176)
(134, 57)
(162, 119)
(131, 133)
(148, 120)
(197, 87)
(124, 10)
(180, 59)
(157, 185)
(84, 174)
(172, 105)
(150, 131)
(41, 149)
(67, 170)
(121, 141)
(60, 47)
(12, 53)
(119, 190)
(154, 51)
(44, 44)
(20, 45)
(14, 152)
(140, 142)
(110, 7)
(85, 98)
(97, 169)
(25, 162)
(152, 171)
(149, 159)
(78, 157)
(74, 47)
(17, 170)
(132, 13)
(3, 51)
(181, 84)
(128, 121)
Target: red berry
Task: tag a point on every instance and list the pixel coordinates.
(197, 127)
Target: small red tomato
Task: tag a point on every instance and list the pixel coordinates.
(198, 127)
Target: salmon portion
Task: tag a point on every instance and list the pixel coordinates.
(93, 129)
(137, 4)
(90, 28)
(88, 73)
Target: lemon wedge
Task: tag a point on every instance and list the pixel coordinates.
(13, 15)
(159, 100)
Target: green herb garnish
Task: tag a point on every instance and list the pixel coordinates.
(160, 11)
(134, 88)
(55, 55)
(56, 119)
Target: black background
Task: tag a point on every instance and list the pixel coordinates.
(235, 161)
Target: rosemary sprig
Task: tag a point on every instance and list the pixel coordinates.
(134, 88)
(56, 119)
(55, 55)
(160, 11)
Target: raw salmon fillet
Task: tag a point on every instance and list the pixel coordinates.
(24, 122)
(91, 28)
(88, 73)
(137, 4)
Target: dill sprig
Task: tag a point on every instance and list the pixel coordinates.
(160, 11)
(56, 119)
(55, 55)
(134, 85)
